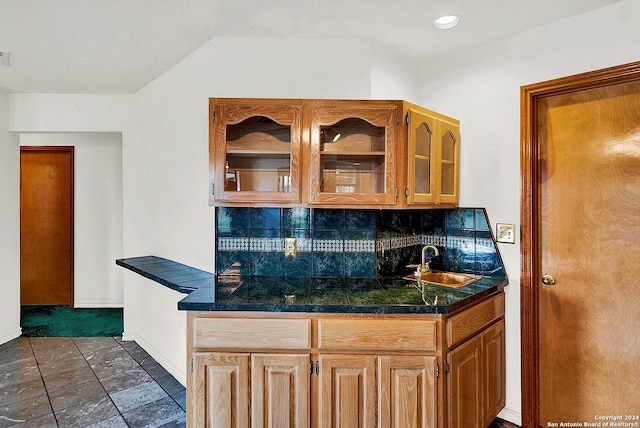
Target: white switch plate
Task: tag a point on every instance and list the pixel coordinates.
(506, 232)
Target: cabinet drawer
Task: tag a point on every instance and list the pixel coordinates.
(466, 324)
(376, 335)
(215, 333)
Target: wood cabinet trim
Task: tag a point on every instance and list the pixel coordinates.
(468, 323)
(377, 335)
(222, 333)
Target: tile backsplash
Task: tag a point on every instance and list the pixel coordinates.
(352, 243)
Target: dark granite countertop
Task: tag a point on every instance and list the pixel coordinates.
(389, 295)
(174, 275)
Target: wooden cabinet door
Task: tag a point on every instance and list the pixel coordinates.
(448, 161)
(421, 169)
(254, 150)
(433, 157)
(280, 390)
(219, 395)
(347, 391)
(493, 371)
(464, 385)
(407, 392)
(353, 153)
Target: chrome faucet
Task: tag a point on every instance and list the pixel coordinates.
(424, 266)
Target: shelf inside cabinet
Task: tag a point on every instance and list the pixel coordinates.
(347, 154)
(259, 152)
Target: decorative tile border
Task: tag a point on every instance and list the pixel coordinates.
(433, 240)
(304, 245)
(328, 245)
(233, 244)
(351, 245)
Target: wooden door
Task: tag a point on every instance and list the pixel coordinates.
(581, 247)
(407, 392)
(280, 390)
(347, 397)
(46, 225)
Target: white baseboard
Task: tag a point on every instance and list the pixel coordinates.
(9, 337)
(177, 372)
(97, 305)
(511, 416)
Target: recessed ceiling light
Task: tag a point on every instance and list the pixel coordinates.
(447, 21)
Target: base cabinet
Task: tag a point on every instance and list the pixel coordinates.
(347, 395)
(407, 391)
(220, 390)
(346, 370)
(382, 391)
(476, 380)
(270, 390)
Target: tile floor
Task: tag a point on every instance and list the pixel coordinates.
(85, 382)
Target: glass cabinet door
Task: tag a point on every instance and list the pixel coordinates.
(421, 156)
(432, 158)
(353, 154)
(256, 152)
(449, 154)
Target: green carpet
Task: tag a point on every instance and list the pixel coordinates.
(63, 321)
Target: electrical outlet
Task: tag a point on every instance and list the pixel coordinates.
(506, 232)
(290, 247)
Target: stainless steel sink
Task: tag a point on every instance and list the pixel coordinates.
(447, 279)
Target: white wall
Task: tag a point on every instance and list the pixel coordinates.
(69, 112)
(481, 87)
(97, 214)
(9, 227)
(394, 77)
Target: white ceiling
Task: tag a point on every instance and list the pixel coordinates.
(119, 46)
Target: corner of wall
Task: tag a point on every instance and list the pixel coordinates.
(9, 227)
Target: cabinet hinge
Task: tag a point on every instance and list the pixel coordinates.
(317, 367)
(213, 189)
(406, 119)
(437, 369)
(397, 118)
(447, 368)
(213, 116)
(191, 365)
(406, 192)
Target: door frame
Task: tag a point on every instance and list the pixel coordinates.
(70, 150)
(529, 214)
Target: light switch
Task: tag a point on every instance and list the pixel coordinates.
(506, 232)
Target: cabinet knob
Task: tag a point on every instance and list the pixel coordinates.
(548, 279)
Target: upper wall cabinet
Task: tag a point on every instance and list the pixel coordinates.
(255, 149)
(353, 153)
(433, 157)
(338, 153)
